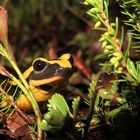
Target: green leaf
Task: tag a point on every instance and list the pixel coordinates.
(91, 89)
(44, 124)
(133, 71)
(2, 51)
(75, 105)
(58, 102)
(57, 112)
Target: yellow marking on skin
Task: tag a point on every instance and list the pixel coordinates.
(4, 104)
(36, 83)
(23, 103)
(28, 72)
(40, 95)
(62, 61)
(65, 56)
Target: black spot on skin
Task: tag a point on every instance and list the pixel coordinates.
(45, 87)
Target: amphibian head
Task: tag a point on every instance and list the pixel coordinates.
(44, 76)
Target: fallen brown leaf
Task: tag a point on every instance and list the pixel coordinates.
(4, 72)
(6, 132)
(18, 125)
(81, 65)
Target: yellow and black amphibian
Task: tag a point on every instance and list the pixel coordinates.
(44, 76)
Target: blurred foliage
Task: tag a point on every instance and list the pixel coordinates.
(107, 53)
(36, 26)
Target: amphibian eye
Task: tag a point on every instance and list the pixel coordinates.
(39, 65)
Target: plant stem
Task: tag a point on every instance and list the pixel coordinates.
(29, 95)
(88, 119)
(91, 110)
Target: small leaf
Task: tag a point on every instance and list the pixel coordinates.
(131, 69)
(44, 124)
(91, 89)
(75, 105)
(97, 25)
(58, 111)
(58, 102)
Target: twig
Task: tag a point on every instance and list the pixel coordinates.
(23, 85)
(91, 110)
(11, 102)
